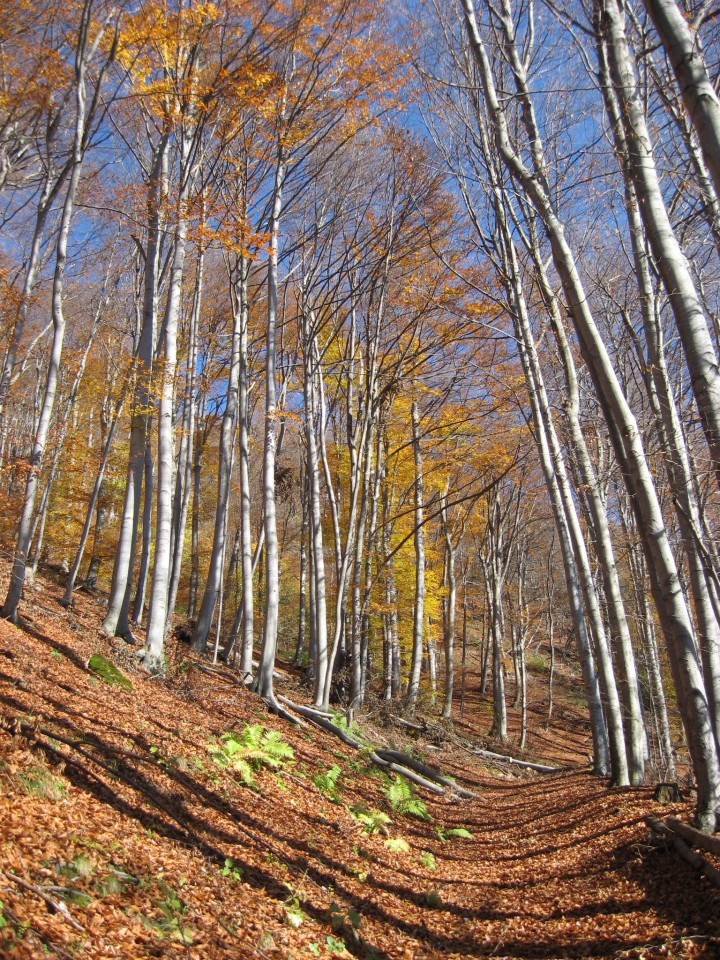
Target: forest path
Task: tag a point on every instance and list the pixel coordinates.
(110, 802)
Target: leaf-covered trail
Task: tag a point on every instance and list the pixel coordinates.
(110, 803)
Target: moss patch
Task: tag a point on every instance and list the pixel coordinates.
(107, 671)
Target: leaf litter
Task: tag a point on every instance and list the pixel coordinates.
(111, 805)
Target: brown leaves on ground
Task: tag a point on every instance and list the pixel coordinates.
(111, 804)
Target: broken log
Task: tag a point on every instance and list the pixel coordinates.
(425, 770)
(390, 760)
(539, 767)
(691, 835)
(699, 863)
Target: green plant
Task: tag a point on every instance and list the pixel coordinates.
(232, 870)
(3, 921)
(398, 845)
(428, 860)
(108, 885)
(461, 832)
(352, 729)
(537, 662)
(40, 782)
(373, 821)
(253, 748)
(334, 944)
(80, 867)
(107, 671)
(432, 899)
(402, 798)
(171, 922)
(294, 913)
(327, 783)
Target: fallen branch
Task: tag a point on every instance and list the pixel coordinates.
(696, 837)
(420, 727)
(22, 925)
(540, 767)
(700, 864)
(403, 771)
(426, 727)
(315, 710)
(390, 760)
(217, 672)
(426, 771)
(55, 906)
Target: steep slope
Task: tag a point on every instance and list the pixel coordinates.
(120, 812)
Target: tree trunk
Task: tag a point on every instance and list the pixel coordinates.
(226, 456)
(17, 576)
(629, 451)
(419, 605)
(682, 45)
(264, 680)
(158, 613)
(116, 619)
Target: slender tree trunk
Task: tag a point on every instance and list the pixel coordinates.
(320, 661)
(148, 491)
(450, 605)
(682, 44)
(159, 594)
(302, 597)
(419, 605)
(264, 680)
(17, 576)
(187, 444)
(195, 519)
(116, 619)
(226, 451)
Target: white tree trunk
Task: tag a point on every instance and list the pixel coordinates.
(419, 604)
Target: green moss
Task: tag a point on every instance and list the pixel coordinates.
(107, 671)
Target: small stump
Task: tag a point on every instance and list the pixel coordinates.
(667, 793)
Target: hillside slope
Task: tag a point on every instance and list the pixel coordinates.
(116, 805)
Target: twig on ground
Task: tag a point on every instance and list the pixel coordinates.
(56, 906)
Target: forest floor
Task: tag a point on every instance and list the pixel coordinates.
(120, 836)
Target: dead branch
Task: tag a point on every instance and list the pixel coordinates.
(699, 863)
(540, 767)
(55, 906)
(696, 837)
(390, 760)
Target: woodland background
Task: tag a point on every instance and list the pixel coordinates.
(381, 338)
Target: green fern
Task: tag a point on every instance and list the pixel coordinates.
(253, 748)
(398, 845)
(373, 821)
(340, 720)
(428, 860)
(402, 798)
(328, 782)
